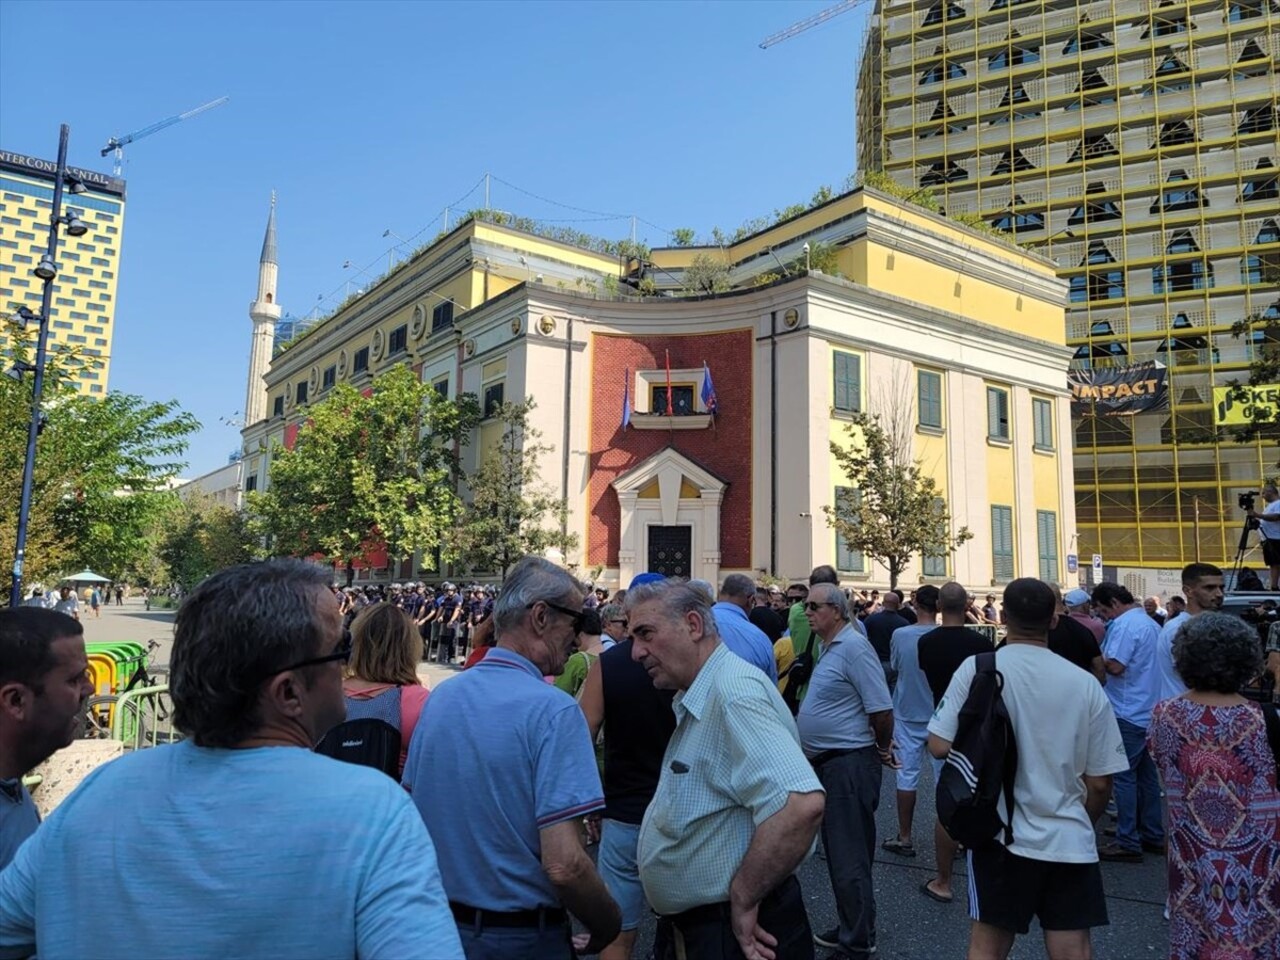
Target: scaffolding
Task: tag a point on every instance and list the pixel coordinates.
(1134, 142)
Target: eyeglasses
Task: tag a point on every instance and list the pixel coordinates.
(623, 622)
(813, 605)
(577, 615)
(343, 653)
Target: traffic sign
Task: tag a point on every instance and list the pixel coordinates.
(1097, 567)
(1073, 563)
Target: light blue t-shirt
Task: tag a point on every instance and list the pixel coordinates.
(848, 685)
(744, 638)
(18, 818)
(912, 698)
(1131, 639)
(514, 752)
(1170, 683)
(202, 853)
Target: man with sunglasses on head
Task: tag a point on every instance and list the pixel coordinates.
(518, 749)
(255, 844)
(846, 730)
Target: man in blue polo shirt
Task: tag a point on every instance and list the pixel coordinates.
(518, 749)
(737, 632)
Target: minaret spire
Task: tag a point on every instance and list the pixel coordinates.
(265, 312)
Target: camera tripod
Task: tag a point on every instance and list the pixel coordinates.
(1238, 565)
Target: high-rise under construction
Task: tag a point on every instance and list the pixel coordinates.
(1135, 143)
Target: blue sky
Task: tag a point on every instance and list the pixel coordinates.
(373, 116)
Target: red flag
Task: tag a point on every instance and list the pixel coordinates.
(671, 411)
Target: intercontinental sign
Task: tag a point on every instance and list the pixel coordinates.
(46, 169)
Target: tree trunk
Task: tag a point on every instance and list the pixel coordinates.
(894, 571)
(351, 572)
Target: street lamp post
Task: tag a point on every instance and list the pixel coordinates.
(47, 271)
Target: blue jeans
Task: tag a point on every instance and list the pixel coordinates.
(1139, 816)
(502, 943)
(620, 872)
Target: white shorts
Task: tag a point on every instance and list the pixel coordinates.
(911, 737)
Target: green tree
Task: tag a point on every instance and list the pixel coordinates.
(705, 274)
(368, 470)
(683, 236)
(203, 538)
(100, 464)
(505, 519)
(889, 508)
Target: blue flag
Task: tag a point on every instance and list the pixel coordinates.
(708, 390)
(626, 399)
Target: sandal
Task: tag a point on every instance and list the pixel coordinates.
(929, 892)
(901, 848)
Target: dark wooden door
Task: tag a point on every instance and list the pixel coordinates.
(670, 550)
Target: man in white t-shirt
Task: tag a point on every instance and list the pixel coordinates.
(1133, 683)
(1068, 748)
(1269, 529)
(1203, 585)
(68, 603)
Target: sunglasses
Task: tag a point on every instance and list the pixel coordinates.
(813, 606)
(576, 615)
(343, 653)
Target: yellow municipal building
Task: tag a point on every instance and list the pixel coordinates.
(956, 334)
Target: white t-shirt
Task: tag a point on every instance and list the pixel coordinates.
(1169, 684)
(1270, 528)
(1064, 728)
(69, 606)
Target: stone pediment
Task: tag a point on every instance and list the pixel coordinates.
(670, 470)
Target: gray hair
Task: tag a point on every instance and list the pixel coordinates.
(530, 580)
(1218, 652)
(837, 598)
(231, 633)
(677, 599)
(706, 586)
(611, 611)
(738, 585)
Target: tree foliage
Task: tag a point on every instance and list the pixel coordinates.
(506, 517)
(203, 537)
(363, 470)
(101, 464)
(705, 274)
(890, 508)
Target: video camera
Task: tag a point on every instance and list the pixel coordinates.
(1246, 500)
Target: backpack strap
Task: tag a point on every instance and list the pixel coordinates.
(1272, 720)
(987, 664)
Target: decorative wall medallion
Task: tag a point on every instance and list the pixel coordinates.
(313, 380)
(468, 348)
(418, 326)
(547, 325)
(516, 324)
(342, 363)
(377, 344)
(791, 319)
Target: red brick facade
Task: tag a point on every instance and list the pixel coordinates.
(724, 450)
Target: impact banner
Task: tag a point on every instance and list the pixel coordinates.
(1259, 404)
(1118, 391)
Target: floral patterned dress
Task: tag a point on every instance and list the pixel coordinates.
(1224, 830)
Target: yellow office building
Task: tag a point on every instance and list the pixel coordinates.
(83, 311)
(1134, 142)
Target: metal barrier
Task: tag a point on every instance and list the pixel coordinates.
(143, 717)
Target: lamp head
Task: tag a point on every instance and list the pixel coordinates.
(24, 316)
(46, 269)
(74, 184)
(75, 226)
(805, 247)
(19, 369)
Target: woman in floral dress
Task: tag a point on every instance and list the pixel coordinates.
(1219, 776)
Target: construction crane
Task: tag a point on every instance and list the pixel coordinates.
(800, 26)
(116, 144)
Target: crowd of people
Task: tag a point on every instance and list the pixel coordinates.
(702, 737)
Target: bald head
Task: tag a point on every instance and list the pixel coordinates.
(890, 601)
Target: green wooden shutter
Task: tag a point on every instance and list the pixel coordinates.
(846, 557)
(1002, 543)
(848, 381)
(1047, 544)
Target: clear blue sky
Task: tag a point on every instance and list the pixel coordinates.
(373, 116)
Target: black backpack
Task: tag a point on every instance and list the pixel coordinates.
(366, 741)
(798, 674)
(981, 765)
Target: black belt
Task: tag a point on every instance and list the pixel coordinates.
(540, 917)
(718, 912)
(826, 755)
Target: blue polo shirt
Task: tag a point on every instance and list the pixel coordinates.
(518, 750)
(744, 638)
(1132, 639)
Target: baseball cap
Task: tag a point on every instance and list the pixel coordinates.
(1074, 598)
